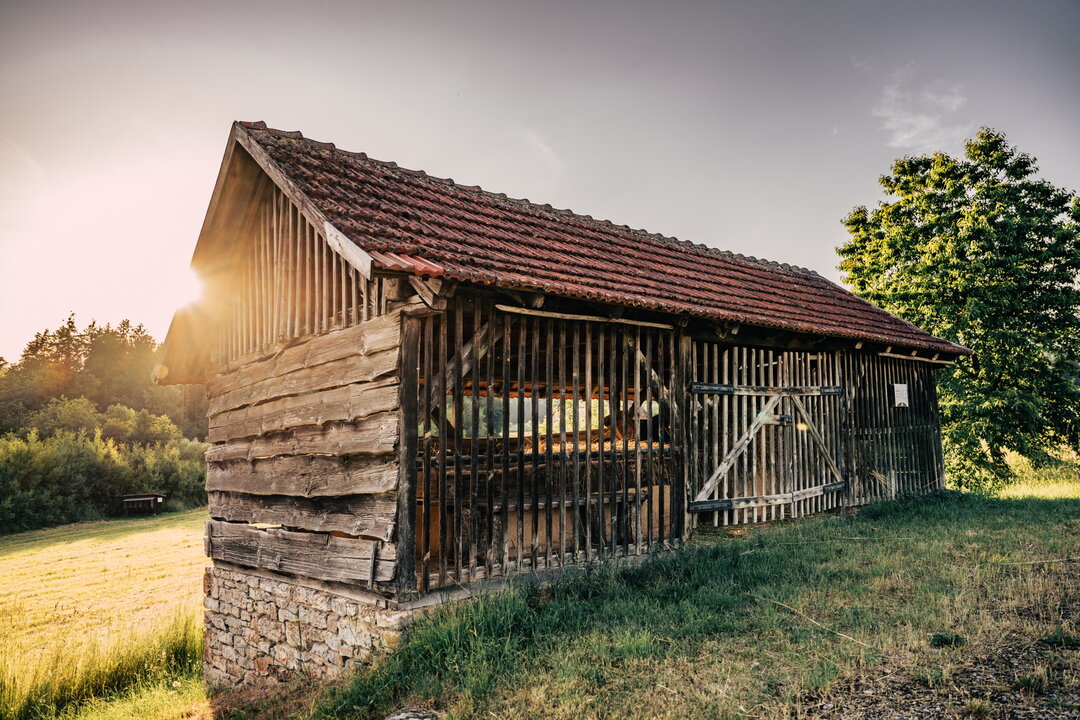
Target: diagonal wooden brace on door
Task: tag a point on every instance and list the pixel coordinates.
(701, 502)
(722, 469)
(816, 437)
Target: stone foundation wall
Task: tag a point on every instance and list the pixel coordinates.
(260, 629)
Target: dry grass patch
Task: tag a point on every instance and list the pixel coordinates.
(98, 581)
(93, 609)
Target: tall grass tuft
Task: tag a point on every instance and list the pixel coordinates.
(466, 649)
(33, 688)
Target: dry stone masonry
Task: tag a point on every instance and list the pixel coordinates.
(260, 628)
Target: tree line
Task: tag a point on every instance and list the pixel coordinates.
(82, 423)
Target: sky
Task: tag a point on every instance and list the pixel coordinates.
(748, 126)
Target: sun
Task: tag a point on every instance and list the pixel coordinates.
(189, 288)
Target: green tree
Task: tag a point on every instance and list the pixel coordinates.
(981, 252)
(107, 365)
(72, 415)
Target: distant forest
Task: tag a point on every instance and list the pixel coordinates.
(81, 423)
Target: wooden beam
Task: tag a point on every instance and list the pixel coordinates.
(374, 435)
(932, 360)
(369, 337)
(348, 250)
(407, 417)
(370, 516)
(698, 506)
(762, 390)
(344, 404)
(525, 298)
(306, 476)
(816, 436)
(435, 292)
(316, 555)
(337, 373)
(584, 318)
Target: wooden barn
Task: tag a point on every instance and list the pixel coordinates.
(416, 386)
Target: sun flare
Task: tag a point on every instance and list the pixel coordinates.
(189, 288)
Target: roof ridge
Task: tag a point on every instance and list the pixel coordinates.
(547, 207)
(479, 236)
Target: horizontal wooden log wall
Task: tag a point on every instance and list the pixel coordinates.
(290, 283)
(893, 451)
(507, 482)
(315, 555)
(304, 415)
(782, 472)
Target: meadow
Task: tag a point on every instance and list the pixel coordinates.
(967, 602)
(94, 608)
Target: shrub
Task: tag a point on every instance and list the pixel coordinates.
(70, 414)
(71, 476)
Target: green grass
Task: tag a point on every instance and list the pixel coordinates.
(743, 625)
(746, 626)
(62, 680)
(95, 609)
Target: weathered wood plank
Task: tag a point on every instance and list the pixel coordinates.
(315, 555)
(584, 318)
(367, 338)
(344, 404)
(349, 250)
(369, 516)
(826, 453)
(336, 373)
(373, 435)
(305, 475)
(406, 506)
(760, 501)
(707, 388)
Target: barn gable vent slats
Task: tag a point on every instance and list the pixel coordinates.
(289, 283)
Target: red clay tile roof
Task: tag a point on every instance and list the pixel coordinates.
(411, 221)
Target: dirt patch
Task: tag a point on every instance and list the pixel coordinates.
(1030, 680)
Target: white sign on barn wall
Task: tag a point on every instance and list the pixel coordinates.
(900, 394)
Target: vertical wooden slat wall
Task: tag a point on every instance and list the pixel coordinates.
(543, 443)
(879, 451)
(290, 284)
(547, 442)
(894, 451)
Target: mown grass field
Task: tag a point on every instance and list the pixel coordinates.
(970, 603)
(97, 605)
(97, 581)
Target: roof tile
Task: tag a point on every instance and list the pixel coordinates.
(411, 221)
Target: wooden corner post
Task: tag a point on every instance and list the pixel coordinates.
(407, 444)
(681, 390)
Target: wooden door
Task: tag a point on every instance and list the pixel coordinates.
(765, 434)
